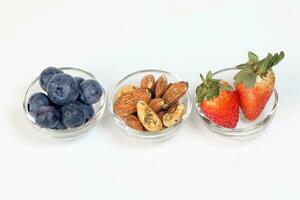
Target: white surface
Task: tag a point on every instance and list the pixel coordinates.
(114, 38)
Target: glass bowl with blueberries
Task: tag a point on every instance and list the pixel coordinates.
(64, 103)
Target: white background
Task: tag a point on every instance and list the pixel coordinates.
(114, 38)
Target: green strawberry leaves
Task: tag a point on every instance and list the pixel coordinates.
(210, 88)
(200, 93)
(253, 58)
(226, 87)
(245, 76)
(263, 65)
(250, 80)
(242, 66)
(255, 67)
(276, 59)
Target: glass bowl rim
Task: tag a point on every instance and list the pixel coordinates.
(88, 124)
(245, 131)
(145, 134)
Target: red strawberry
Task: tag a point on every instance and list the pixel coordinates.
(218, 101)
(255, 83)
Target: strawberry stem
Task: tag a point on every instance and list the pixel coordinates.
(255, 67)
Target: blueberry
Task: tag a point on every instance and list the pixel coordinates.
(46, 75)
(72, 115)
(47, 116)
(36, 101)
(88, 110)
(79, 80)
(90, 91)
(62, 89)
(60, 126)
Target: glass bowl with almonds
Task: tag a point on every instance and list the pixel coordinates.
(150, 104)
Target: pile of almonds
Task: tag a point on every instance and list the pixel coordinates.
(152, 106)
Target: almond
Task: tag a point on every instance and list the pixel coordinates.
(148, 82)
(175, 92)
(169, 85)
(173, 108)
(133, 122)
(161, 86)
(124, 90)
(161, 114)
(156, 104)
(126, 104)
(148, 117)
(170, 119)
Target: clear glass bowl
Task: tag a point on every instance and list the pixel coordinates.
(70, 133)
(134, 79)
(245, 128)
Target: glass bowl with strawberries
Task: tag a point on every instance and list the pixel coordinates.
(239, 102)
(150, 104)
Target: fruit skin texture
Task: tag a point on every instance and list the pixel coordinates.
(222, 110)
(60, 126)
(253, 100)
(218, 101)
(46, 75)
(72, 115)
(79, 80)
(255, 83)
(62, 89)
(88, 110)
(36, 101)
(47, 116)
(90, 91)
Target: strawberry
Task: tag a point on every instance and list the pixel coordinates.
(218, 101)
(255, 83)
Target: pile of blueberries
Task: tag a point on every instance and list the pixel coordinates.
(68, 103)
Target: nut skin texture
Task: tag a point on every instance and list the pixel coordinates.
(170, 119)
(161, 114)
(124, 90)
(161, 86)
(173, 108)
(175, 92)
(133, 122)
(148, 117)
(156, 104)
(126, 104)
(148, 82)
